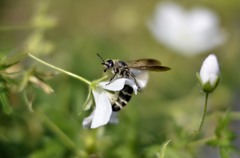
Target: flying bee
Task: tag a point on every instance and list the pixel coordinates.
(132, 70)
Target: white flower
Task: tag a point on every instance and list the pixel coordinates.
(209, 73)
(102, 113)
(187, 32)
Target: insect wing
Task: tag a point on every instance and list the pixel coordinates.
(143, 62)
(141, 77)
(147, 64)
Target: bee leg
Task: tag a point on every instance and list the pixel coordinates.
(111, 79)
(139, 88)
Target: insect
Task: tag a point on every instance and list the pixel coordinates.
(122, 69)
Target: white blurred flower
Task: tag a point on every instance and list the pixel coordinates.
(102, 113)
(187, 32)
(209, 73)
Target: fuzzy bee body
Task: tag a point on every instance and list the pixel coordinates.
(119, 68)
(126, 70)
(124, 97)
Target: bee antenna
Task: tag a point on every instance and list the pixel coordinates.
(100, 58)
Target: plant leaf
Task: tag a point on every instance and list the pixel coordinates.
(89, 101)
(5, 102)
(163, 149)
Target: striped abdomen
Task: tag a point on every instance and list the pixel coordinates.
(124, 97)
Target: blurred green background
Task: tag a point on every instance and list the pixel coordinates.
(69, 34)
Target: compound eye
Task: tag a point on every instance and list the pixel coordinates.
(109, 63)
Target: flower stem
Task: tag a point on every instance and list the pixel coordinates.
(61, 135)
(99, 80)
(204, 112)
(12, 28)
(59, 69)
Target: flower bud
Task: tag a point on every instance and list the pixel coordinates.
(209, 74)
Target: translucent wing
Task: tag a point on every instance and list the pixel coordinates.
(147, 64)
(152, 62)
(141, 77)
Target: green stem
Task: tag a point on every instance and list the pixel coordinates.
(235, 115)
(63, 137)
(163, 149)
(59, 69)
(66, 140)
(201, 141)
(13, 28)
(99, 80)
(5, 103)
(204, 112)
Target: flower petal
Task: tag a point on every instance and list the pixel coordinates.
(117, 84)
(88, 120)
(89, 101)
(209, 74)
(188, 32)
(103, 110)
(210, 70)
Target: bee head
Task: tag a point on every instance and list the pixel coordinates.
(108, 63)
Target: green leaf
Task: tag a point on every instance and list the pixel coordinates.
(50, 148)
(224, 137)
(23, 84)
(226, 152)
(163, 149)
(89, 101)
(222, 124)
(5, 102)
(3, 96)
(7, 62)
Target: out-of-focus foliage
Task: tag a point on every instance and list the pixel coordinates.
(36, 123)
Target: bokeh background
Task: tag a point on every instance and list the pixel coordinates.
(69, 34)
